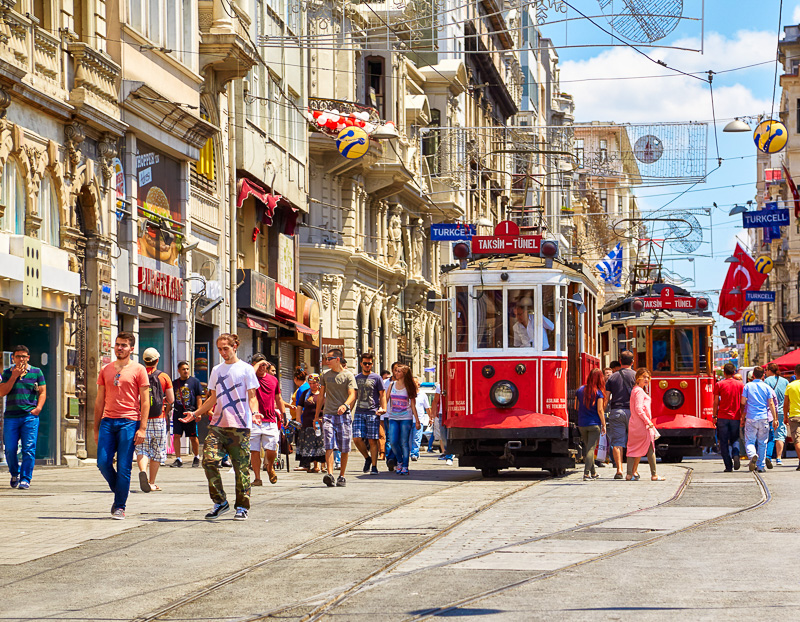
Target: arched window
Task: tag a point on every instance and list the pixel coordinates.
(48, 212)
(359, 330)
(12, 195)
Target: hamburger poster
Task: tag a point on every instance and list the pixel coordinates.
(158, 196)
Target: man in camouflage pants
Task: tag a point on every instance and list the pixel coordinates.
(232, 397)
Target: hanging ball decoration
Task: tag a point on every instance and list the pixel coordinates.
(352, 142)
(764, 264)
(770, 136)
(749, 316)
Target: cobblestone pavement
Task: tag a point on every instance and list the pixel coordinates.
(385, 546)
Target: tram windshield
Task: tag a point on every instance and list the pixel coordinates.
(677, 349)
(489, 318)
(462, 320)
(661, 349)
(683, 353)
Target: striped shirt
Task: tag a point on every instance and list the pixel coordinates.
(24, 395)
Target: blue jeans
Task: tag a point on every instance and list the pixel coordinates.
(443, 441)
(25, 429)
(415, 439)
(728, 437)
(400, 438)
(116, 437)
(756, 433)
(430, 439)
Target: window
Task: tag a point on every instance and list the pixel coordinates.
(431, 142)
(549, 317)
(702, 348)
(603, 150)
(579, 151)
(295, 126)
(619, 204)
(604, 200)
(562, 294)
(661, 350)
(167, 23)
(12, 195)
(489, 318)
(462, 320)
(48, 212)
(374, 83)
(683, 353)
(784, 304)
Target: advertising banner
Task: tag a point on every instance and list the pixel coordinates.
(158, 195)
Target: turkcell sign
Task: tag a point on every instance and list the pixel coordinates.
(766, 218)
(753, 328)
(506, 244)
(452, 232)
(759, 296)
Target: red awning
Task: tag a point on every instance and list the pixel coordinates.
(788, 360)
(247, 187)
(302, 328)
(257, 324)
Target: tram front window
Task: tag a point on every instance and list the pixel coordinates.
(661, 350)
(522, 322)
(684, 349)
(489, 318)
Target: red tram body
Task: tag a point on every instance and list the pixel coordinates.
(670, 333)
(508, 383)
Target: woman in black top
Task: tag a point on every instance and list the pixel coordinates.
(310, 447)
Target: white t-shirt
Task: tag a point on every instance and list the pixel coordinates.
(422, 407)
(524, 336)
(231, 383)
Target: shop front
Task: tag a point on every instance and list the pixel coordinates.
(160, 296)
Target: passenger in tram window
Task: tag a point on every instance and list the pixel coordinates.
(524, 328)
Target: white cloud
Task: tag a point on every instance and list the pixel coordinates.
(671, 98)
(796, 15)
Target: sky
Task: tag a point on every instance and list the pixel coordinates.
(734, 34)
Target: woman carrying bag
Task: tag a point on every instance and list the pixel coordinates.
(641, 430)
(590, 401)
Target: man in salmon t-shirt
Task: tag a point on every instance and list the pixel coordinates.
(120, 419)
(727, 413)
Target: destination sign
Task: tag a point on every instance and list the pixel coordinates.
(666, 300)
(753, 328)
(452, 232)
(506, 244)
(766, 218)
(759, 296)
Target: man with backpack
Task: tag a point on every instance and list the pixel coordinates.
(153, 451)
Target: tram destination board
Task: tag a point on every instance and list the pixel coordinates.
(506, 244)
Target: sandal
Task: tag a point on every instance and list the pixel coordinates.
(636, 477)
(273, 477)
(658, 478)
(300, 469)
(155, 487)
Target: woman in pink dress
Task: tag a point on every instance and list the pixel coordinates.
(641, 431)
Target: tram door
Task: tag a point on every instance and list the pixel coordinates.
(573, 354)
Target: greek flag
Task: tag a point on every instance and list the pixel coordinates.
(611, 266)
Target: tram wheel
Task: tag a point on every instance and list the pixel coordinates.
(558, 472)
(486, 472)
(672, 458)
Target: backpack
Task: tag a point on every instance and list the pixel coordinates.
(156, 395)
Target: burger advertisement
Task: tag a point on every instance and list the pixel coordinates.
(159, 235)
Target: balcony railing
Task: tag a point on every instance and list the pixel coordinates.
(35, 52)
(95, 80)
(204, 208)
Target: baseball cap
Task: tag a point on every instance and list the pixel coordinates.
(150, 355)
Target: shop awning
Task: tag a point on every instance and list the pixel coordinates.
(269, 202)
(256, 323)
(302, 328)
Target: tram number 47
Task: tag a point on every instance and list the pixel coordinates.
(557, 372)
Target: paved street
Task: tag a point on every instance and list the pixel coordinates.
(440, 543)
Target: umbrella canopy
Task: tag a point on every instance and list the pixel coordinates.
(788, 360)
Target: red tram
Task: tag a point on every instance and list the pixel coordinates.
(522, 335)
(670, 333)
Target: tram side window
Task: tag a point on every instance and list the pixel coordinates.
(661, 350)
(684, 349)
(522, 318)
(703, 348)
(548, 317)
(462, 319)
(641, 347)
(489, 318)
(564, 310)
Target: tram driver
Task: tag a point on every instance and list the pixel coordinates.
(525, 326)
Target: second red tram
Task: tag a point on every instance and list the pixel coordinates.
(669, 333)
(522, 335)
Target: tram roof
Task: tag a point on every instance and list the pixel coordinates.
(527, 263)
(624, 304)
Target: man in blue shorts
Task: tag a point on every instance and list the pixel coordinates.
(370, 404)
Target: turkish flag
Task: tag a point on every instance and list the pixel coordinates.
(793, 190)
(744, 276)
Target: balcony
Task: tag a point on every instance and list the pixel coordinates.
(31, 53)
(95, 82)
(204, 208)
(225, 46)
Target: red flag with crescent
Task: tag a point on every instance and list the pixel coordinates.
(793, 188)
(743, 276)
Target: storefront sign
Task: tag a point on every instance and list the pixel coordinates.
(160, 284)
(766, 218)
(286, 261)
(128, 303)
(32, 279)
(158, 195)
(759, 296)
(452, 232)
(285, 301)
(753, 328)
(257, 293)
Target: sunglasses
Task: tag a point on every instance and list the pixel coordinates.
(116, 379)
(365, 363)
(331, 358)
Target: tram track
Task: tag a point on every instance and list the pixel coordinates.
(195, 596)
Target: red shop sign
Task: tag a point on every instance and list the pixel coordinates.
(160, 284)
(285, 301)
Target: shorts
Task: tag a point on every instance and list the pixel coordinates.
(179, 428)
(794, 427)
(265, 436)
(337, 431)
(617, 427)
(155, 444)
(779, 434)
(366, 425)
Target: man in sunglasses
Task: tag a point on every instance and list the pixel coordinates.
(370, 404)
(120, 418)
(338, 390)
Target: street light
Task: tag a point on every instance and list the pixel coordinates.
(732, 259)
(737, 125)
(737, 209)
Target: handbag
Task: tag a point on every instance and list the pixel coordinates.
(286, 446)
(602, 448)
(656, 435)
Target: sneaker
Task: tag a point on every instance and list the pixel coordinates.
(329, 481)
(196, 462)
(226, 463)
(241, 514)
(414, 458)
(798, 468)
(728, 471)
(443, 457)
(753, 461)
(178, 463)
(391, 463)
(587, 477)
(449, 462)
(762, 470)
(219, 510)
(778, 462)
(337, 466)
(367, 465)
(15, 481)
(23, 485)
(737, 462)
(595, 476)
(341, 482)
(769, 463)
(374, 470)
(118, 514)
(144, 484)
(430, 451)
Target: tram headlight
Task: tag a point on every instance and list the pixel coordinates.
(673, 398)
(504, 394)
